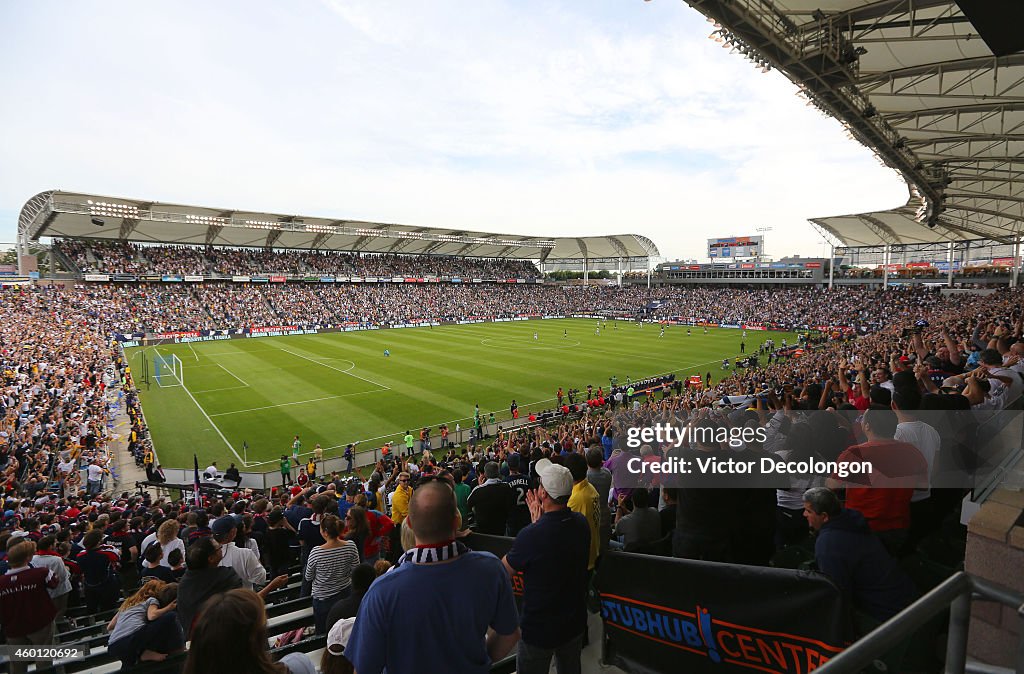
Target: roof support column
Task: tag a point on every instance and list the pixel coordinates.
(1016, 262)
(885, 267)
(831, 266)
(586, 272)
(949, 257)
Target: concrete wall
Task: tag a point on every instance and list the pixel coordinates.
(995, 552)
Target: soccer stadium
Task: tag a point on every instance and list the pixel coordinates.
(231, 436)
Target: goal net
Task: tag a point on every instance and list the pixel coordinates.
(168, 371)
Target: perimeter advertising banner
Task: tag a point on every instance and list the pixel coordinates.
(674, 615)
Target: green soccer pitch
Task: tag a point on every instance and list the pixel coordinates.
(338, 388)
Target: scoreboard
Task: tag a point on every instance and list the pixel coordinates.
(734, 247)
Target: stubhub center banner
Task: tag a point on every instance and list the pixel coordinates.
(663, 614)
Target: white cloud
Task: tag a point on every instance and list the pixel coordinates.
(528, 117)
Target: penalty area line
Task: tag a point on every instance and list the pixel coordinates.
(297, 402)
(232, 374)
(312, 360)
(244, 463)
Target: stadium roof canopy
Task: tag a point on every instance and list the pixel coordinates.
(74, 215)
(934, 87)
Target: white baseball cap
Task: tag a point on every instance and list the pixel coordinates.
(337, 638)
(557, 479)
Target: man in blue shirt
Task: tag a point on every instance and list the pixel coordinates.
(608, 443)
(552, 554)
(432, 612)
(848, 552)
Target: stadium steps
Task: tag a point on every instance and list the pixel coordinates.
(65, 261)
(94, 622)
(296, 614)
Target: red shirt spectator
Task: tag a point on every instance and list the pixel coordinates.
(380, 527)
(26, 609)
(897, 468)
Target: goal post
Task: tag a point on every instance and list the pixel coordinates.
(168, 370)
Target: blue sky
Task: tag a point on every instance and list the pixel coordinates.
(565, 118)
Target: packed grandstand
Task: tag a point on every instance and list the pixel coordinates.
(620, 521)
(105, 554)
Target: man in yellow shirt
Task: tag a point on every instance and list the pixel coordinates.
(400, 499)
(586, 501)
(147, 462)
(318, 455)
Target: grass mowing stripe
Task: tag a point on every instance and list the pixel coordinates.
(214, 390)
(436, 365)
(297, 402)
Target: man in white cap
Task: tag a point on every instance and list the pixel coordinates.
(552, 554)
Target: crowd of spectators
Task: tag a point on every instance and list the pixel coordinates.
(117, 257)
(180, 260)
(103, 257)
(860, 395)
(165, 307)
(867, 309)
(56, 361)
(236, 306)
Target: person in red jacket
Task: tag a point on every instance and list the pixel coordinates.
(897, 468)
(26, 610)
(380, 527)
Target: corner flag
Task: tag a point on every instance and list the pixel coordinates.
(195, 484)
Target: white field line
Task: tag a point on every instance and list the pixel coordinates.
(232, 374)
(196, 355)
(240, 459)
(369, 381)
(226, 388)
(297, 402)
(237, 353)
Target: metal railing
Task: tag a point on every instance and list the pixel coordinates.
(954, 593)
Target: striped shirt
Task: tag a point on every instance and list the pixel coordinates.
(331, 569)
